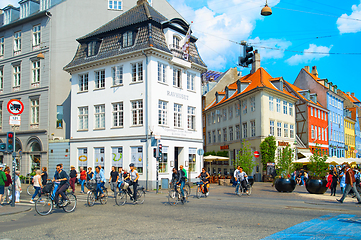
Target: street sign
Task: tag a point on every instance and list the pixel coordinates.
(15, 106)
(256, 154)
(200, 152)
(15, 120)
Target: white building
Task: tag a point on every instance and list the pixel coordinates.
(130, 82)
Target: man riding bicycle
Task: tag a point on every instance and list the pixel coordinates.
(134, 176)
(181, 180)
(204, 177)
(241, 179)
(63, 179)
(100, 180)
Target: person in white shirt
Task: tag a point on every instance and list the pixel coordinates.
(241, 178)
(37, 185)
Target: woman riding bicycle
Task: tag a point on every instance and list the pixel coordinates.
(100, 180)
(134, 176)
(204, 176)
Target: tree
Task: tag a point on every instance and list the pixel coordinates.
(268, 150)
(244, 158)
(284, 162)
(318, 166)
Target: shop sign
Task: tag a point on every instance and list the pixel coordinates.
(283, 144)
(224, 147)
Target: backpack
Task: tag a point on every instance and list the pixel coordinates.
(185, 173)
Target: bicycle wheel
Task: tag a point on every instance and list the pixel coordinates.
(103, 200)
(199, 192)
(121, 198)
(70, 207)
(91, 199)
(188, 188)
(140, 197)
(173, 197)
(30, 190)
(44, 205)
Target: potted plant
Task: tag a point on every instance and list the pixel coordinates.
(268, 150)
(244, 159)
(316, 182)
(285, 166)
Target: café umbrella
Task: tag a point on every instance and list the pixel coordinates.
(211, 158)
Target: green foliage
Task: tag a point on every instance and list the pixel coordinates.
(33, 173)
(244, 158)
(284, 163)
(22, 177)
(219, 153)
(318, 167)
(213, 153)
(297, 166)
(268, 150)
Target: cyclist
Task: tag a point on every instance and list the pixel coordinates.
(241, 179)
(62, 177)
(120, 177)
(134, 176)
(174, 178)
(100, 180)
(181, 180)
(204, 176)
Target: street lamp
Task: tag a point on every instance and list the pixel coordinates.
(266, 10)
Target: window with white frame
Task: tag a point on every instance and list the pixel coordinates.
(36, 35)
(118, 114)
(311, 111)
(219, 116)
(238, 132)
(322, 115)
(224, 114)
(245, 130)
(214, 136)
(213, 117)
(1, 115)
(225, 134)
(292, 131)
(17, 74)
(319, 115)
(127, 39)
(285, 130)
(17, 41)
(270, 103)
(253, 104)
(209, 119)
(315, 112)
(162, 76)
(290, 105)
(237, 107)
(83, 82)
(1, 78)
(219, 134)
(117, 75)
(230, 133)
(99, 79)
(92, 48)
(279, 129)
(253, 128)
(272, 128)
(323, 134)
(278, 105)
(319, 133)
(244, 106)
(177, 77)
(230, 111)
(192, 118)
(83, 118)
(115, 5)
(99, 116)
(176, 41)
(2, 46)
(177, 115)
(34, 111)
(312, 132)
(191, 81)
(162, 112)
(285, 107)
(209, 137)
(137, 72)
(35, 69)
(137, 112)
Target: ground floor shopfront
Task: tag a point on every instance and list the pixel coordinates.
(121, 152)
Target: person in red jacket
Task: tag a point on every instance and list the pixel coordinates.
(82, 178)
(329, 181)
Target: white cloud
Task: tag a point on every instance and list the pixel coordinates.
(217, 23)
(267, 52)
(345, 25)
(4, 3)
(307, 56)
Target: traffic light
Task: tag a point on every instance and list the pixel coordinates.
(247, 56)
(160, 150)
(2, 147)
(10, 142)
(155, 152)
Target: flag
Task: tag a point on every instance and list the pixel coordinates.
(185, 47)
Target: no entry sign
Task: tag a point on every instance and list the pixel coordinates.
(256, 154)
(15, 106)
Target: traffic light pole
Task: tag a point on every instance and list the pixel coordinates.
(157, 167)
(14, 163)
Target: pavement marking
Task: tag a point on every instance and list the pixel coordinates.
(343, 226)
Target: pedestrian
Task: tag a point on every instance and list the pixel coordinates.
(7, 184)
(350, 184)
(72, 176)
(342, 180)
(89, 174)
(17, 187)
(329, 181)
(302, 174)
(334, 174)
(44, 176)
(3, 179)
(82, 178)
(37, 185)
(113, 180)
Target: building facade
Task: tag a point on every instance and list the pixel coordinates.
(350, 144)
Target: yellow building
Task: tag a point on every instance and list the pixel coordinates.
(350, 145)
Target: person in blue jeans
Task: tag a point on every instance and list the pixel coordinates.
(100, 180)
(181, 180)
(37, 185)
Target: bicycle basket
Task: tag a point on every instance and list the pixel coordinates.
(48, 187)
(124, 186)
(91, 185)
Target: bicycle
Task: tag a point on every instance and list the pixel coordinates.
(30, 190)
(175, 195)
(121, 197)
(187, 187)
(243, 190)
(91, 198)
(200, 190)
(44, 205)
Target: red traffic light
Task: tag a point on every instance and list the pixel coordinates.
(10, 135)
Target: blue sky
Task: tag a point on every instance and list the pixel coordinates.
(295, 25)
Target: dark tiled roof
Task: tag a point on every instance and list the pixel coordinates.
(211, 74)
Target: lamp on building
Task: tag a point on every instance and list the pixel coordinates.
(40, 56)
(266, 10)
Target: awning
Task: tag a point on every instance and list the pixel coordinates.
(211, 158)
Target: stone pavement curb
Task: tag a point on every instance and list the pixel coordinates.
(8, 210)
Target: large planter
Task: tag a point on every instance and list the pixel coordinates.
(285, 184)
(314, 186)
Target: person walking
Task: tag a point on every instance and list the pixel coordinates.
(3, 179)
(350, 184)
(342, 180)
(7, 184)
(89, 174)
(44, 176)
(329, 181)
(72, 176)
(113, 180)
(334, 181)
(17, 187)
(37, 185)
(82, 179)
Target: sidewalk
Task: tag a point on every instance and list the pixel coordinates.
(7, 209)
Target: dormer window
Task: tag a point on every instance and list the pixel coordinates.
(176, 41)
(128, 39)
(93, 48)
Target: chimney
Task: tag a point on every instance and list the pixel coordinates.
(352, 94)
(348, 93)
(256, 62)
(314, 71)
(139, 2)
(307, 68)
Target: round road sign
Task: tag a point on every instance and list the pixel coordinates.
(256, 154)
(15, 106)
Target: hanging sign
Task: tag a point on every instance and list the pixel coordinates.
(15, 107)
